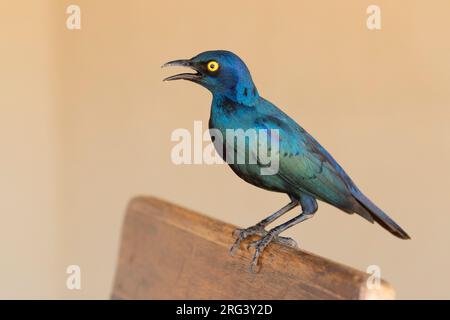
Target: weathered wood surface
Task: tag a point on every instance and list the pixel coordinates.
(168, 252)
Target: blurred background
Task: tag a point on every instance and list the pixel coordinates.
(86, 121)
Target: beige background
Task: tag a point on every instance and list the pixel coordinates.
(86, 121)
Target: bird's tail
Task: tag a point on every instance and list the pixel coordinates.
(379, 216)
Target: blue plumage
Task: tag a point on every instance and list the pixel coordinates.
(306, 170)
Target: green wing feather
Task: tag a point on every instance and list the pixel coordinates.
(305, 165)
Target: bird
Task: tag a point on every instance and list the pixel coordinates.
(306, 171)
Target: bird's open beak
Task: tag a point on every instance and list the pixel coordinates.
(184, 76)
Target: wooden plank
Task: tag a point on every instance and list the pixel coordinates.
(168, 252)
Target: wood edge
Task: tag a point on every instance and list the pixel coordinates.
(384, 292)
(116, 293)
(139, 205)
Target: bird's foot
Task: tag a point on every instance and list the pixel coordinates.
(242, 234)
(258, 230)
(261, 244)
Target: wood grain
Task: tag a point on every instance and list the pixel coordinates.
(168, 252)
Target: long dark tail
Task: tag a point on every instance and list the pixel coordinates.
(379, 216)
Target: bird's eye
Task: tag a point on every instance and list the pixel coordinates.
(213, 66)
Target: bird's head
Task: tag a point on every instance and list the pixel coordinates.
(221, 72)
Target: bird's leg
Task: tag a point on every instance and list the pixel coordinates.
(258, 229)
(309, 207)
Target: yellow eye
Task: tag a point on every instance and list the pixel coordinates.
(213, 66)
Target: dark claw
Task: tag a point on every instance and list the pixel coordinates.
(236, 233)
(286, 241)
(235, 246)
(254, 266)
(242, 234)
(259, 246)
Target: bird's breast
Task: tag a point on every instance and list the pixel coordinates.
(227, 145)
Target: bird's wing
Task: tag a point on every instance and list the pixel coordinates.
(304, 164)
